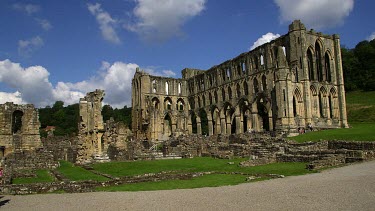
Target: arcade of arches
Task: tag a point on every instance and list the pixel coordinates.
(291, 82)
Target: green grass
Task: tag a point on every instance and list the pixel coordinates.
(42, 175)
(212, 180)
(76, 173)
(360, 106)
(199, 164)
(358, 132)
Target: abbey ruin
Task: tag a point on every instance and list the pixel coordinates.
(292, 82)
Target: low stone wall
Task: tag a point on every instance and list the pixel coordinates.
(352, 145)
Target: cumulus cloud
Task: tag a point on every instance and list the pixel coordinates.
(31, 82)
(160, 20)
(106, 23)
(316, 14)
(33, 85)
(11, 97)
(44, 23)
(27, 47)
(264, 39)
(29, 9)
(371, 37)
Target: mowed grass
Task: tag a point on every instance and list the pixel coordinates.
(42, 175)
(211, 180)
(77, 173)
(198, 164)
(357, 132)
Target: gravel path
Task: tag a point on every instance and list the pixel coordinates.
(348, 188)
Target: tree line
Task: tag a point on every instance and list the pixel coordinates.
(65, 118)
(359, 74)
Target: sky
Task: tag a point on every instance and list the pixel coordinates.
(54, 50)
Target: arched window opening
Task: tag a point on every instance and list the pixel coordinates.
(296, 74)
(204, 100)
(155, 103)
(246, 88)
(180, 105)
(228, 73)
(194, 123)
(264, 83)
(17, 121)
(294, 107)
(166, 88)
(330, 107)
(168, 103)
(327, 67)
(210, 98)
(243, 67)
(223, 94)
(256, 62)
(238, 91)
(284, 50)
(256, 86)
(154, 86)
(261, 60)
(167, 129)
(179, 88)
(229, 93)
(310, 65)
(216, 98)
(318, 61)
(204, 121)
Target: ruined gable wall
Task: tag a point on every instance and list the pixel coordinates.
(27, 137)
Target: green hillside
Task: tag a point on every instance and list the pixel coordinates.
(360, 106)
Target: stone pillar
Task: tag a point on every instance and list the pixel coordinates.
(239, 126)
(223, 126)
(340, 83)
(210, 128)
(199, 126)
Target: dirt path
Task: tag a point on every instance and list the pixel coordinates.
(347, 188)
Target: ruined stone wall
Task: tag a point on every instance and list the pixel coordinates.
(61, 147)
(292, 82)
(91, 127)
(19, 128)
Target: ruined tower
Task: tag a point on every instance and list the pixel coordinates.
(291, 82)
(19, 128)
(91, 127)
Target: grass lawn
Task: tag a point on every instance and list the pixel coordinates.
(198, 164)
(212, 180)
(76, 173)
(358, 132)
(42, 175)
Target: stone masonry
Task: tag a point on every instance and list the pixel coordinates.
(19, 128)
(291, 82)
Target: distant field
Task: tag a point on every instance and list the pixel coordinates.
(360, 106)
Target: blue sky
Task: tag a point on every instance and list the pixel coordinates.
(59, 50)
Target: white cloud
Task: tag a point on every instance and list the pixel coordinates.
(371, 37)
(315, 14)
(33, 84)
(44, 23)
(27, 47)
(264, 39)
(15, 97)
(27, 8)
(106, 23)
(160, 20)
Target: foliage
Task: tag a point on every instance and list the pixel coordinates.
(359, 66)
(76, 173)
(358, 132)
(65, 119)
(42, 175)
(119, 115)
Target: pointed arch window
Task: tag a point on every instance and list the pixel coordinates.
(318, 61)
(327, 67)
(310, 65)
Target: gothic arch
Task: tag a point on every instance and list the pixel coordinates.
(310, 64)
(318, 59)
(327, 66)
(155, 103)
